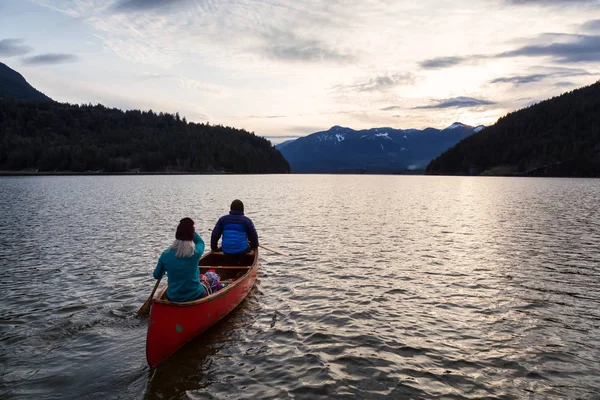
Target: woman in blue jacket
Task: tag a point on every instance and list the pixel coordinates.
(180, 262)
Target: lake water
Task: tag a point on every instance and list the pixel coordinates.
(394, 287)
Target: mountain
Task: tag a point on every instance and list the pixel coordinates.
(556, 137)
(14, 86)
(378, 150)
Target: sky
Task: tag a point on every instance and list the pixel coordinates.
(284, 69)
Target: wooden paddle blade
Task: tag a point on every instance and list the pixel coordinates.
(145, 308)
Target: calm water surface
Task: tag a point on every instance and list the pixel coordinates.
(394, 287)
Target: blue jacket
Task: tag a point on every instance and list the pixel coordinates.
(237, 230)
(183, 273)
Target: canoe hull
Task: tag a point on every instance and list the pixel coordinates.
(171, 325)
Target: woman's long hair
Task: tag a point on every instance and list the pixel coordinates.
(183, 248)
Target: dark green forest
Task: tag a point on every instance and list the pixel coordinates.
(50, 136)
(557, 137)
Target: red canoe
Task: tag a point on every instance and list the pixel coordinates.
(171, 324)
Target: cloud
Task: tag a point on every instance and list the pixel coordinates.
(591, 26)
(147, 77)
(564, 84)
(564, 49)
(522, 79)
(281, 137)
(306, 129)
(145, 5)
(580, 48)
(265, 116)
(390, 108)
(457, 102)
(380, 83)
(287, 46)
(445, 62)
(552, 2)
(518, 80)
(13, 47)
(50, 58)
(201, 86)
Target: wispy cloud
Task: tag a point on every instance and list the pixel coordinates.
(265, 116)
(457, 102)
(564, 49)
(446, 62)
(591, 26)
(522, 79)
(288, 46)
(306, 129)
(564, 84)
(50, 58)
(281, 137)
(562, 3)
(147, 77)
(201, 86)
(13, 47)
(75, 8)
(580, 48)
(519, 80)
(380, 83)
(390, 108)
(145, 5)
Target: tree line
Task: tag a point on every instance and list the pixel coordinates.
(557, 137)
(50, 136)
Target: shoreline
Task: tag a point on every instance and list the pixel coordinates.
(94, 173)
(173, 173)
(68, 173)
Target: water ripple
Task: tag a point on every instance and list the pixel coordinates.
(395, 287)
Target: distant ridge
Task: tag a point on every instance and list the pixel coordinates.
(14, 86)
(376, 150)
(556, 137)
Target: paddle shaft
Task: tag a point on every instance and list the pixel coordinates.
(274, 251)
(145, 308)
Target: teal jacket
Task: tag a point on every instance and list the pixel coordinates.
(183, 273)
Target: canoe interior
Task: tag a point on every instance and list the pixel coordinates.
(221, 259)
(229, 267)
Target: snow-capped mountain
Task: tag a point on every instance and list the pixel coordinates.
(342, 149)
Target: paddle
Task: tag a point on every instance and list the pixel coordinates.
(266, 248)
(274, 251)
(145, 308)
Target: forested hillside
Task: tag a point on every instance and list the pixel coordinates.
(557, 137)
(49, 136)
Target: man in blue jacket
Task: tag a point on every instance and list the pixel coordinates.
(239, 234)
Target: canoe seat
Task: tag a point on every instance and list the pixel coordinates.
(250, 253)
